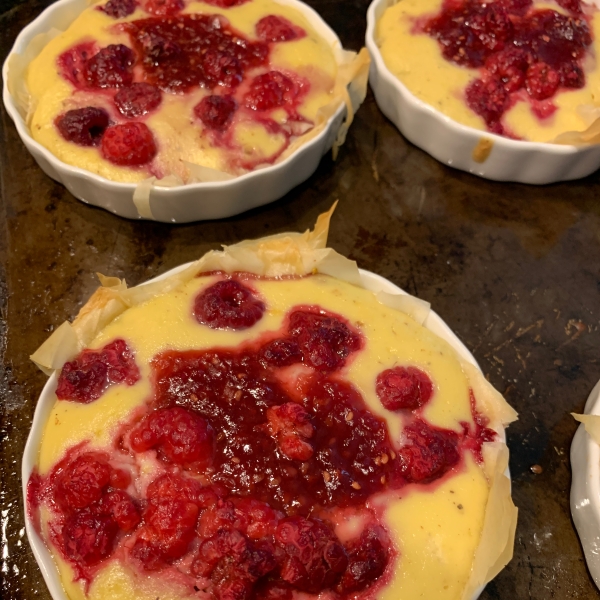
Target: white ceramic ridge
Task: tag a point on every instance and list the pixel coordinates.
(371, 281)
(186, 203)
(585, 488)
(453, 144)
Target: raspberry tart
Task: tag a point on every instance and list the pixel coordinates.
(258, 425)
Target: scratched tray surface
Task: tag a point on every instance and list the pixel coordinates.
(512, 269)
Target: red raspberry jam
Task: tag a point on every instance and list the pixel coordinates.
(522, 52)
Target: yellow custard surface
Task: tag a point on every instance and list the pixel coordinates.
(181, 139)
(416, 60)
(436, 529)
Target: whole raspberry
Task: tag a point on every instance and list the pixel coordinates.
(228, 304)
(72, 64)
(489, 99)
(121, 507)
(88, 537)
(270, 90)
(542, 81)
(290, 425)
(216, 112)
(83, 126)
(162, 8)
(281, 353)
(128, 145)
(403, 388)
(509, 66)
(82, 482)
(138, 99)
(117, 9)
(273, 28)
(111, 67)
(222, 67)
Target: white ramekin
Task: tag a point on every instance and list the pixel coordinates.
(454, 144)
(193, 202)
(585, 488)
(371, 281)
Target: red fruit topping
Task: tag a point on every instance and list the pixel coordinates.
(128, 145)
(273, 590)
(403, 387)
(270, 90)
(72, 64)
(515, 7)
(86, 378)
(138, 99)
(215, 112)
(170, 49)
(542, 81)
(281, 353)
(474, 440)
(489, 99)
(111, 67)
(571, 76)
(162, 8)
(278, 29)
(260, 519)
(324, 340)
(573, 6)
(171, 524)
(82, 482)
(88, 538)
(120, 506)
(428, 454)
(83, 126)
(228, 304)
(315, 559)
(148, 554)
(120, 479)
(367, 560)
(117, 9)
(222, 516)
(170, 485)
(225, 3)
(290, 425)
(509, 66)
(180, 435)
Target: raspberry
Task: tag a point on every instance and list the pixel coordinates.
(215, 112)
(173, 486)
(120, 479)
(148, 554)
(278, 29)
(86, 378)
(260, 519)
(324, 340)
(83, 126)
(542, 81)
(82, 482)
(573, 6)
(515, 7)
(88, 538)
(111, 67)
(270, 90)
(228, 305)
(315, 560)
(180, 435)
(403, 388)
(488, 99)
(273, 590)
(571, 76)
(163, 8)
(281, 353)
(367, 560)
(128, 145)
(117, 9)
(509, 66)
(171, 523)
(225, 3)
(290, 425)
(137, 99)
(222, 516)
(121, 507)
(429, 453)
(222, 67)
(72, 64)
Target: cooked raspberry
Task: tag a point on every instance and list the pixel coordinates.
(117, 9)
(222, 67)
(111, 67)
(180, 436)
(542, 81)
(72, 64)
(403, 388)
(515, 7)
(290, 425)
(119, 478)
(228, 304)
(315, 560)
(215, 112)
(509, 66)
(86, 378)
(260, 519)
(324, 340)
(571, 76)
(82, 482)
(121, 507)
(172, 523)
(148, 554)
(83, 126)
(573, 6)
(278, 29)
(128, 145)
(88, 538)
(162, 8)
(225, 3)
(138, 99)
(170, 485)
(273, 590)
(222, 516)
(281, 353)
(428, 454)
(270, 90)
(488, 99)
(367, 560)
(224, 544)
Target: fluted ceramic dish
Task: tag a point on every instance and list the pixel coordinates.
(182, 204)
(459, 146)
(585, 488)
(371, 281)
